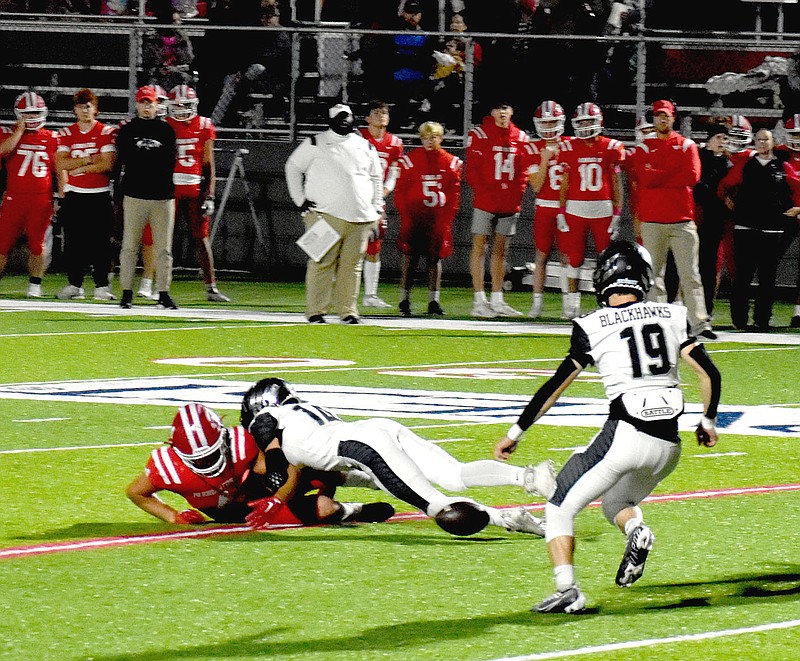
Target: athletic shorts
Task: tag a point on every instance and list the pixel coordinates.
(545, 229)
(30, 215)
(487, 223)
(573, 243)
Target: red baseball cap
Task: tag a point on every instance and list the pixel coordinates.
(146, 93)
(664, 106)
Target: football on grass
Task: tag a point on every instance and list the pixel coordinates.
(462, 518)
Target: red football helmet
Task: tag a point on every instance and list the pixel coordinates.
(31, 108)
(182, 103)
(200, 439)
(740, 133)
(549, 120)
(587, 122)
(793, 132)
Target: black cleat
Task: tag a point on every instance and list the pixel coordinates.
(316, 319)
(405, 307)
(637, 548)
(435, 308)
(165, 302)
(127, 299)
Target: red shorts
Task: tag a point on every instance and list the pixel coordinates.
(25, 214)
(425, 237)
(573, 243)
(374, 247)
(189, 208)
(545, 230)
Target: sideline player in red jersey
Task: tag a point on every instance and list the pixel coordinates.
(84, 160)
(545, 180)
(28, 151)
(390, 149)
(791, 151)
(220, 470)
(427, 196)
(498, 157)
(591, 194)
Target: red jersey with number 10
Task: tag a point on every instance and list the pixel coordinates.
(29, 167)
(191, 138)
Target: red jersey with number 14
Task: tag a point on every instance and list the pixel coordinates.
(191, 138)
(29, 167)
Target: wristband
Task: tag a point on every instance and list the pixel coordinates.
(708, 423)
(515, 432)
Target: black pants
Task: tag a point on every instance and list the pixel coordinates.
(710, 232)
(88, 219)
(755, 252)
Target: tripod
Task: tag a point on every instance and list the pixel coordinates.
(237, 167)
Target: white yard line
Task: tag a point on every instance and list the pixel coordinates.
(649, 642)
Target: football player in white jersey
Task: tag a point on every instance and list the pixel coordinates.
(635, 345)
(400, 462)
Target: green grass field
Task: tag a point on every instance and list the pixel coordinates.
(86, 394)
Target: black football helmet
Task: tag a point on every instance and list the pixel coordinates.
(266, 393)
(623, 267)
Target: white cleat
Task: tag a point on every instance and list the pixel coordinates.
(536, 310)
(521, 520)
(482, 310)
(503, 309)
(104, 294)
(374, 301)
(569, 601)
(70, 292)
(34, 291)
(540, 480)
(638, 546)
(216, 296)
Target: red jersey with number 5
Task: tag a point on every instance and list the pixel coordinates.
(29, 167)
(167, 471)
(191, 138)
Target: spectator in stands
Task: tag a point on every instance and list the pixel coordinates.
(665, 171)
(764, 196)
(167, 53)
(498, 158)
(427, 197)
(146, 153)
(459, 24)
(390, 149)
(447, 92)
(28, 154)
(335, 178)
(84, 161)
(712, 216)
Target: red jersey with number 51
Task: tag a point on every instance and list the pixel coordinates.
(29, 167)
(191, 138)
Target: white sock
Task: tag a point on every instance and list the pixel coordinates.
(796, 310)
(538, 299)
(403, 294)
(372, 272)
(480, 297)
(434, 295)
(350, 509)
(146, 284)
(563, 281)
(497, 297)
(565, 577)
(490, 473)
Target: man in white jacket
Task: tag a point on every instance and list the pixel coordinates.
(336, 177)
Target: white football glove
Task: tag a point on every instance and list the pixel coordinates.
(561, 223)
(613, 228)
(208, 207)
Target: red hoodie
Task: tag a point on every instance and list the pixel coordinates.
(497, 166)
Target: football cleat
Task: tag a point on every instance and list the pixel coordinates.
(369, 513)
(145, 288)
(374, 301)
(795, 322)
(571, 600)
(165, 302)
(103, 294)
(216, 296)
(34, 291)
(405, 307)
(540, 480)
(71, 292)
(536, 310)
(503, 309)
(434, 307)
(637, 548)
(521, 520)
(482, 310)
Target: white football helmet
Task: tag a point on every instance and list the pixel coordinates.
(182, 103)
(644, 128)
(792, 127)
(31, 108)
(740, 133)
(200, 439)
(549, 120)
(161, 107)
(587, 121)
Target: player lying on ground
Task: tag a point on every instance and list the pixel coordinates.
(400, 462)
(220, 470)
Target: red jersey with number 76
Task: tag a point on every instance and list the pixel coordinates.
(29, 167)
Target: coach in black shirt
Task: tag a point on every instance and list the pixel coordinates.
(146, 154)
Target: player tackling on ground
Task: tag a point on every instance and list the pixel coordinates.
(635, 346)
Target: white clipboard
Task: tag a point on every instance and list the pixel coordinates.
(318, 240)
